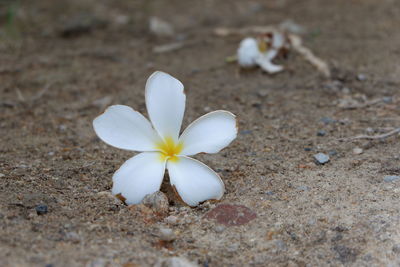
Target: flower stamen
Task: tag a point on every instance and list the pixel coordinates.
(169, 150)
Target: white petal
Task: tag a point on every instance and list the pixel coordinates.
(139, 176)
(194, 181)
(121, 126)
(278, 40)
(265, 63)
(248, 52)
(209, 133)
(270, 54)
(165, 101)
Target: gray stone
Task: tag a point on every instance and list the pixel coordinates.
(41, 209)
(391, 178)
(73, 237)
(280, 245)
(157, 201)
(357, 151)
(361, 77)
(321, 158)
(167, 234)
(345, 254)
(171, 220)
(97, 263)
(387, 99)
(175, 262)
(327, 120)
(396, 248)
(332, 153)
(262, 93)
(219, 228)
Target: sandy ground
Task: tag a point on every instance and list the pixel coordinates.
(61, 62)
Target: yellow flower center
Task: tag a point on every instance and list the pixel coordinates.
(169, 150)
(262, 46)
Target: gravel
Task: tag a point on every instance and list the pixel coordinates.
(321, 158)
(167, 234)
(41, 209)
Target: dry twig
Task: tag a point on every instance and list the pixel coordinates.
(309, 56)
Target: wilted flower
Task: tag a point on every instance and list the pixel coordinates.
(262, 51)
(161, 145)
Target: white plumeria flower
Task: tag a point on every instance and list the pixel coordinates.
(162, 147)
(251, 53)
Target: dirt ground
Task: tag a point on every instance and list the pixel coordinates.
(63, 62)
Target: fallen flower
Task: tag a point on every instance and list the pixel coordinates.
(261, 52)
(162, 147)
(272, 41)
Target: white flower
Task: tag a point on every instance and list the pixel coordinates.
(252, 52)
(162, 147)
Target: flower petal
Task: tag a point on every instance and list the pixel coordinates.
(264, 61)
(120, 126)
(194, 181)
(210, 133)
(165, 101)
(139, 176)
(248, 52)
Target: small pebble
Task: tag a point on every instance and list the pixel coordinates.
(369, 130)
(396, 248)
(391, 178)
(157, 201)
(332, 152)
(175, 262)
(321, 133)
(280, 245)
(357, 151)
(263, 93)
(166, 234)
(361, 77)
(387, 99)
(321, 158)
(171, 220)
(2, 175)
(219, 228)
(73, 237)
(32, 214)
(346, 90)
(97, 263)
(41, 209)
(269, 193)
(327, 120)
